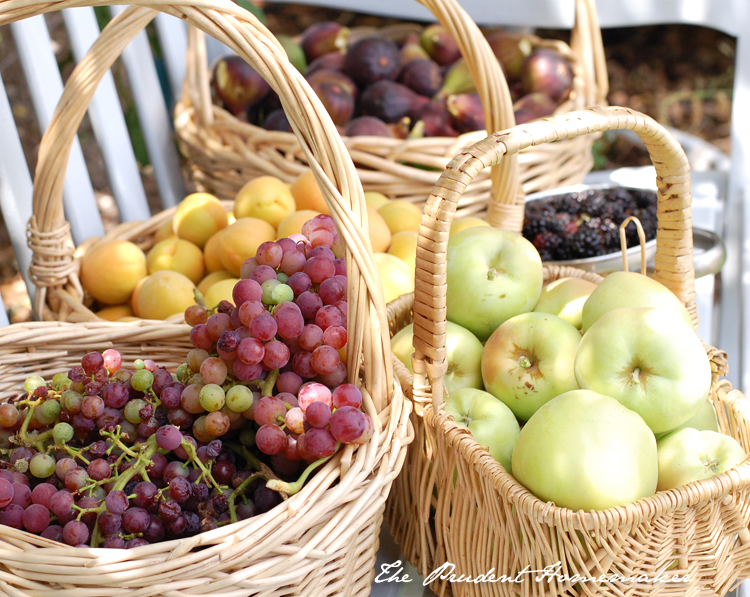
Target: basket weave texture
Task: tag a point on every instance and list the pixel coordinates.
(224, 153)
(321, 541)
(699, 530)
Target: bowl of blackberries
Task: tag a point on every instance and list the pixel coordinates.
(580, 225)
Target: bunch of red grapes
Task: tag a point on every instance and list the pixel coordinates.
(107, 456)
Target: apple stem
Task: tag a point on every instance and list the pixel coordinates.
(524, 362)
(491, 274)
(635, 377)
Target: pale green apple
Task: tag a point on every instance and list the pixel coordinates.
(528, 361)
(565, 298)
(491, 423)
(688, 455)
(704, 420)
(492, 275)
(463, 351)
(650, 360)
(630, 289)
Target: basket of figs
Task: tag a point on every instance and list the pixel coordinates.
(247, 451)
(405, 99)
(574, 435)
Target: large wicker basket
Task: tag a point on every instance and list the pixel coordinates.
(224, 153)
(321, 541)
(701, 530)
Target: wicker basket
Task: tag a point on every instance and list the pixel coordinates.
(700, 530)
(224, 153)
(321, 541)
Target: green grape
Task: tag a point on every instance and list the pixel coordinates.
(282, 277)
(61, 382)
(281, 294)
(71, 401)
(182, 372)
(142, 380)
(62, 432)
(267, 288)
(212, 397)
(32, 383)
(239, 398)
(139, 364)
(247, 437)
(48, 412)
(131, 411)
(42, 465)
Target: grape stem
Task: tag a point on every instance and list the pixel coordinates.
(242, 486)
(245, 453)
(292, 488)
(266, 388)
(193, 457)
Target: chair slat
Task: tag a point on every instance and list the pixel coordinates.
(172, 33)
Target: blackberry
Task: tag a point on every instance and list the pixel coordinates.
(547, 244)
(586, 242)
(610, 234)
(570, 203)
(595, 205)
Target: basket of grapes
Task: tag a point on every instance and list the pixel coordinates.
(248, 451)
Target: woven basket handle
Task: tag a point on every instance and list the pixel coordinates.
(334, 170)
(674, 243)
(588, 47)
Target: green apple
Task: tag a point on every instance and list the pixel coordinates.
(463, 351)
(492, 275)
(585, 451)
(690, 455)
(704, 420)
(648, 359)
(491, 423)
(630, 289)
(528, 360)
(565, 298)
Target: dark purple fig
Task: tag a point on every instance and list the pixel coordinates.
(510, 49)
(238, 85)
(338, 102)
(435, 120)
(277, 121)
(466, 112)
(391, 101)
(457, 80)
(533, 106)
(546, 71)
(440, 45)
(322, 38)
(372, 59)
(332, 61)
(332, 76)
(367, 126)
(271, 102)
(412, 50)
(421, 76)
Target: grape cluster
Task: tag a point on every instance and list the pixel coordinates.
(109, 456)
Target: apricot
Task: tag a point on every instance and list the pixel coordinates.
(467, 222)
(396, 277)
(307, 193)
(177, 255)
(198, 217)
(211, 253)
(375, 199)
(134, 298)
(292, 224)
(111, 269)
(401, 215)
(212, 279)
(115, 312)
(404, 246)
(220, 291)
(380, 234)
(266, 198)
(163, 294)
(241, 240)
(164, 231)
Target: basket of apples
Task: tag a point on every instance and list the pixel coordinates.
(405, 100)
(248, 451)
(574, 435)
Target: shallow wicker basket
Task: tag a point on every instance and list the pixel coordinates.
(224, 153)
(321, 541)
(700, 530)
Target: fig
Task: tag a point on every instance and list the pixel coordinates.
(367, 126)
(332, 76)
(466, 112)
(510, 49)
(435, 120)
(412, 50)
(532, 106)
(391, 101)
(372, 59)
(322, 38)
(277, 121)
(338, 102)
(546, 71)
(294, 52)
(440, 45)
(238, 85)
(332, 61)
(457, 80)
(421, 76)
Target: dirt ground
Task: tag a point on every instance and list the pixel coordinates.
(680, 75)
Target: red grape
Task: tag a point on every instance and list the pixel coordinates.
(269, 253)
(319, 268)
(276, 354)
(245, 372)
(302, 366)
(262, 273)
(213, 370)
(263, 326)
(319, 443)
(36, 518)
(250, 351)
(318, 414)
(168, 437)
(288, 381)
(332, 291)
(6, 493)
(313, 392)
(195, 314)
(109, 523)
(200, 338)
(367, 433)
(247, 268)
(299, 283)
(135, 520)
(117, 502)
(246, 291)
(249, 309)
(292, 262)
(21, 495)
(75, 533)
(42, 493)
(310, 337)
(309, 303)
(329, 315)
(335, 336)
(347, 395)
(268, 410)
(91, 362)
(289, 320)
(270, 439)
(325, 359)
(115, 395)
(340, 265)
